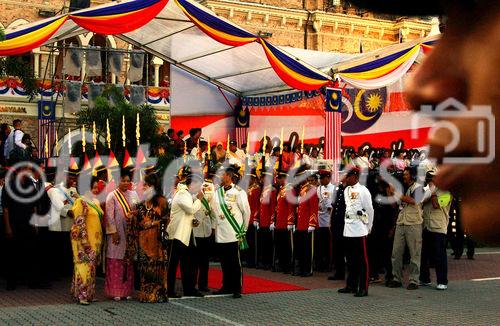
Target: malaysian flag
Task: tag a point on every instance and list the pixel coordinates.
(242, 123)
(46, 128)
(333, 123)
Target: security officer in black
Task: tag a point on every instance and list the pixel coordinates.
(337, 227)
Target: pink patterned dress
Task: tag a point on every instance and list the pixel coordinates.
(119, 281)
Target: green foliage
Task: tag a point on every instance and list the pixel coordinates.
(113, 106)
(19, 66)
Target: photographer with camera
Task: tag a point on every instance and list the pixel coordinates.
(436, 210)
(408, 231)
(358, 224)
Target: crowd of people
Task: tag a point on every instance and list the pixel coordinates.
(276, 210)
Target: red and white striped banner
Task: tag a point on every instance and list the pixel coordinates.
(46, 130)
(241, 136)
(333, 122)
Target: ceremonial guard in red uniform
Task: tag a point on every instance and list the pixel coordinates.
(285, 216)
(307, 222)
(254, 201)
(267, 210)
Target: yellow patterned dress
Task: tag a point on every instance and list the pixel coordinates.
(86, 241)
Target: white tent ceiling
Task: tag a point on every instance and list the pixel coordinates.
(242, 70)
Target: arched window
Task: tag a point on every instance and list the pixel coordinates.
(16, 23)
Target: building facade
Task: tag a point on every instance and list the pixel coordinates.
(323, 25)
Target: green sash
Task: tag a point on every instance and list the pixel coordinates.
(94, 206)
(240, 230)
(205, 204)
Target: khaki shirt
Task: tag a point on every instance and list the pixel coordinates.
(436, 219)
(411, 214)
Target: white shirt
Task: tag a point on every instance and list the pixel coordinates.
(204, 230)
(11, 140)
(194, 153)
(311, 161)
(58, 195)
(184, 206)
(357, 198)
(237, 202)
(362, 162)
(325, 195)
(237, 157)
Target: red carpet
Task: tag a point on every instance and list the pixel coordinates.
(251, 284)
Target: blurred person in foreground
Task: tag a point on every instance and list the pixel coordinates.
(462, 65)
(20, 201)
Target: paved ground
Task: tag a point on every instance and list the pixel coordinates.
(466, 302)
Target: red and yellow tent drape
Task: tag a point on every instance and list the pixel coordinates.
(126, 16)
(386, 70)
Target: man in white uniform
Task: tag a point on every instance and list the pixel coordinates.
(185, 204)
(324, 238)
(62, 196)
(199, 153)
(235, 155)
(203, 234)
(232, 214)
(358, 224)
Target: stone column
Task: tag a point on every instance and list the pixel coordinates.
(36, 62)
(157, 62)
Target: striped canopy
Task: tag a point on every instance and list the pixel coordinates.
(383, 69)
(184, 33)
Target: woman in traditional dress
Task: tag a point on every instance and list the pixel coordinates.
(86, 241)
(151, 254)
(120, 215)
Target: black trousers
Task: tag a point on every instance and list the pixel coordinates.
(41, 252)
(61, 254)
(18, 258)
(338, 255)
(357, 263)
(375, 254)
(303, 248)
(323, 249)
(203, 249)
(434, 250)
(283, 249)
(26, 257)
(457, 242)
(248, 255)
(387, 243)
(180, 253)
(232, 281)
(265, 247)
